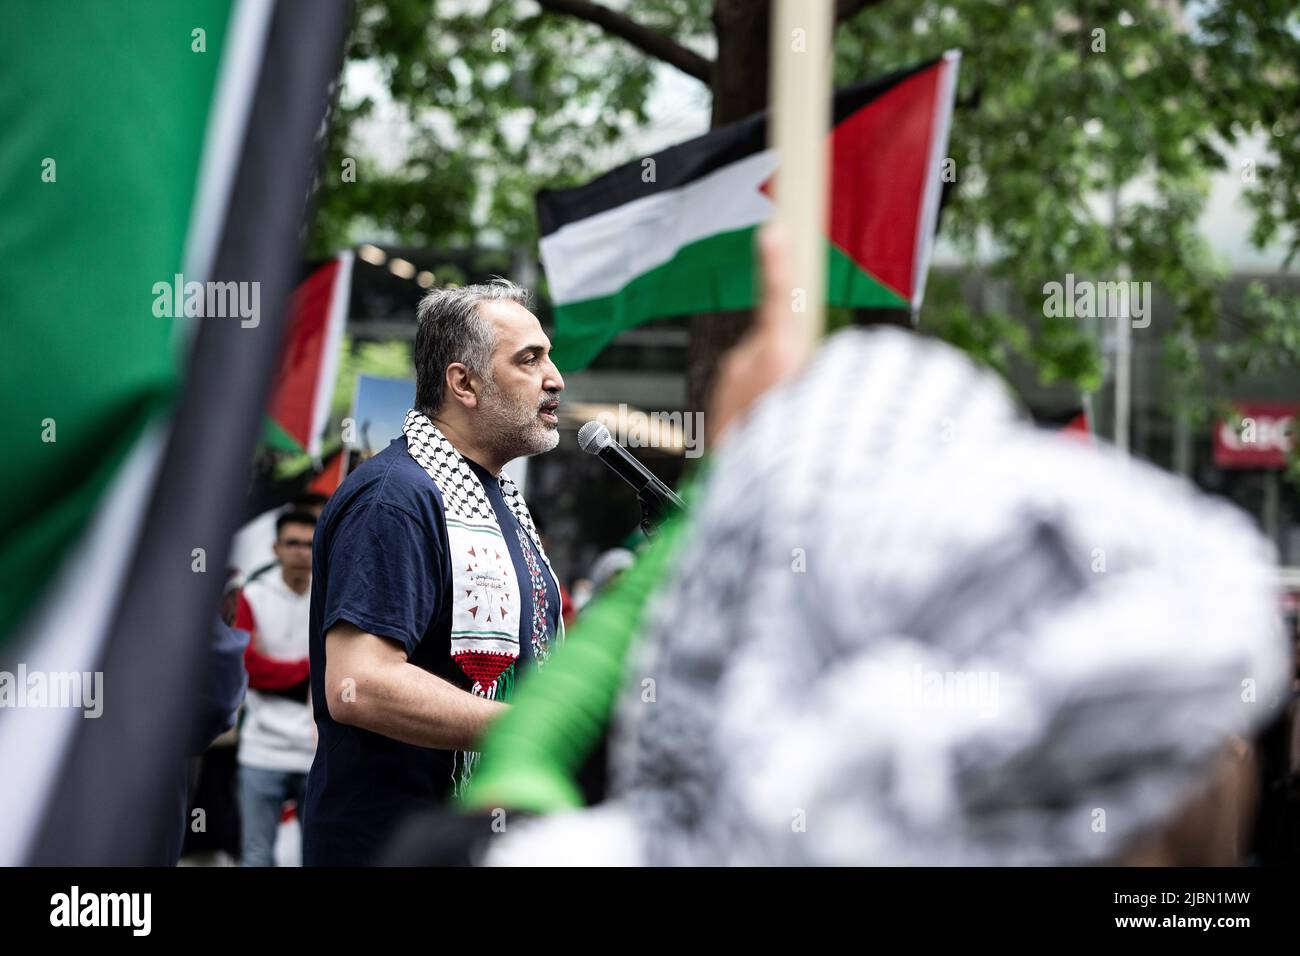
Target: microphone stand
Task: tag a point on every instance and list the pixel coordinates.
(655, 507)
(649, 518)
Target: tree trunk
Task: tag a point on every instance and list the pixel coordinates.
(740, 81)
(740, 76)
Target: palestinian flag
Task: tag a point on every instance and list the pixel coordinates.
(157, 162)
(674, 234)
(304, 382)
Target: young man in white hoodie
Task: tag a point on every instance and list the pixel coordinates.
(277, 739)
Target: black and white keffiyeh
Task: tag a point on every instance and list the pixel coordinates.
(463, 494)
(486, 601)
(906, 627)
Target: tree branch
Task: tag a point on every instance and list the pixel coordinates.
(659, 45)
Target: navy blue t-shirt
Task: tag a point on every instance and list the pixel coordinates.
(379, 562)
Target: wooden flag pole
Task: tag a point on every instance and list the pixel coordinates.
(800, 117)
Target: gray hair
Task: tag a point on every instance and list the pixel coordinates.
(451, 329)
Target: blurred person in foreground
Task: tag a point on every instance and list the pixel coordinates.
(432, 592)
(902, 626)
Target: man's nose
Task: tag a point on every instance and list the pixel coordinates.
(554, 380)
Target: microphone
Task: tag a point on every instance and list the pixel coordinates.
(656, 497)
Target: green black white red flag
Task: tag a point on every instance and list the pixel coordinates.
(154, 154)
(304, 380)
(673, 234)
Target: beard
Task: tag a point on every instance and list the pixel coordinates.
(514, 429)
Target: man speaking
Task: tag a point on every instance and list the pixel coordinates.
(431, 592)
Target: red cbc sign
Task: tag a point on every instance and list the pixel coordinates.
(1262, 439)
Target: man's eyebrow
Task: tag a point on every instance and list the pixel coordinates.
(539, 347)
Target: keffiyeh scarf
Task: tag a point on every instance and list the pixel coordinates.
(485, 590)
(914, 630)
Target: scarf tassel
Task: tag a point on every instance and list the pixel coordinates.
(501, 689)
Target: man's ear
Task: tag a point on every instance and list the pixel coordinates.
(461, 384)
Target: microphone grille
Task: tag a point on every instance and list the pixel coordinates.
(592, 437)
